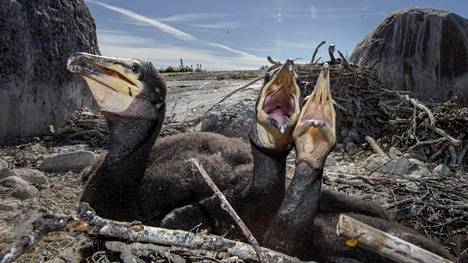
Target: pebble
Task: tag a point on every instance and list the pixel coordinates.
(74, 161)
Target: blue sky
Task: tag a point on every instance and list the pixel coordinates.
(228, 35)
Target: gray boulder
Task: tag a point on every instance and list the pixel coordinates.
(419, 49)
(74, 161)
(21, 189)
(230, 120)
(36, 40)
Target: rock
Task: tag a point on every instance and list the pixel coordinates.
(412, 186)
(74, 161)
(351, 148)
(3, 164)
(402, 166)
(37, 39)
(231, 121)
(443, 170)
(394, 153)
(34, 177)
(374, 161)
(22, 189)
(6, 172)
(418, 169)
(419, 49)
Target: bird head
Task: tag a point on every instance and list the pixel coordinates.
(278, 108)
(122, 87)
(315, 132)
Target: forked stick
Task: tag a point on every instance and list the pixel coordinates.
(357, 233)
(228, 208)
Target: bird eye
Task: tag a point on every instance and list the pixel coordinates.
(136, 68)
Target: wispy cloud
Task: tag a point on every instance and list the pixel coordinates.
(189, 17)
(179, 34)
(113, 43)
(163, 27)
(219, 25)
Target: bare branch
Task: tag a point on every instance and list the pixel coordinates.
(274, 62)
(228, 208)
(312, 61)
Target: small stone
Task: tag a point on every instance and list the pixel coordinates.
(443, 170)
(402, 166)
(394, 153)
(74, 161)
(351, 148)
(374, 161)
(35, 177)
(3, 164)
(22, 189)
(418, 169)
(412, 186)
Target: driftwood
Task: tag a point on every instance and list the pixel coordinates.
(88, 222)
(357, 233)
(225, 205)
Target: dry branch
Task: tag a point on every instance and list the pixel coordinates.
(88, 222)
(384, 244)
(273, 62)
(312, 61)
(228, 208)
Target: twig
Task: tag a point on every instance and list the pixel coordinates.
(312, 61)
(384, 244)
(228, 208)
(375, 147)
(274, 62)
(432, 120)
(88, 222)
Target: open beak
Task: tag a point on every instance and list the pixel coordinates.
(278, 106)
(315, 132)
(112, 81)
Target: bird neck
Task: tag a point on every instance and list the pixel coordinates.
(269, 171)
(298, 209)
(117, 180)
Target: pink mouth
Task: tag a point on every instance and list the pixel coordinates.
(279, 106)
